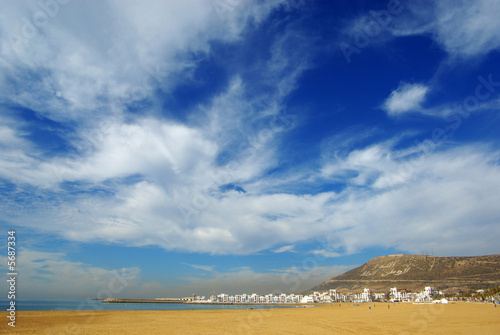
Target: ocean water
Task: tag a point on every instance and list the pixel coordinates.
(95, 305)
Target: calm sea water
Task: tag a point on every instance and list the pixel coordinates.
(95, 305)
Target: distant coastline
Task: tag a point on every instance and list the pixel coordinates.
(143, 301)
(181, 301)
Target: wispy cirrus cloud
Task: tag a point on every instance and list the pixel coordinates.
(285, 248)
(326, 253)
(463, 29)
(130, 171)
(208, 268)
(86, 73)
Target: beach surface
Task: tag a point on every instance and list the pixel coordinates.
(365, 318)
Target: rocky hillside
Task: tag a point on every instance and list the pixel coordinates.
(413, 272)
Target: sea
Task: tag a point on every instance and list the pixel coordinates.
(97, 305)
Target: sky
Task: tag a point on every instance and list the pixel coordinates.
(170, 148)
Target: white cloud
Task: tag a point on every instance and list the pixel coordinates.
(147, 180)
(326, 253)
(419, 198)
(81, 71)
(468, 29)
(397, 198)
(285, 248)
(463, 28)
(51, 275)
(406, 98)
(412, 199)
(208, 268)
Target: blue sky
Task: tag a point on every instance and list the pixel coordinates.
(243, 145)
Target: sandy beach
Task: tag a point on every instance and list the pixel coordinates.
(457, 318)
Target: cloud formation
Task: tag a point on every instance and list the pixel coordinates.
(406, 98)
(463, 29)
(285, 248)
(50, 275)
(131, 51)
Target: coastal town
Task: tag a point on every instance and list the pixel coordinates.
(428, 294)
(330, 296)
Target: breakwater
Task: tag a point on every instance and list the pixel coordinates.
(146, 301)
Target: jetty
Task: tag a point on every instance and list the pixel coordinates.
(148, 301)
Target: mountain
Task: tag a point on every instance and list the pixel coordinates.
(413, 272)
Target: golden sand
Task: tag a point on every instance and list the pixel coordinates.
(456, 318)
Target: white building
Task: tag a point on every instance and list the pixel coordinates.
(427, 294)
(307, 299)
(254, 298)
(223, 297)
(366, 295)
(395, 295)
